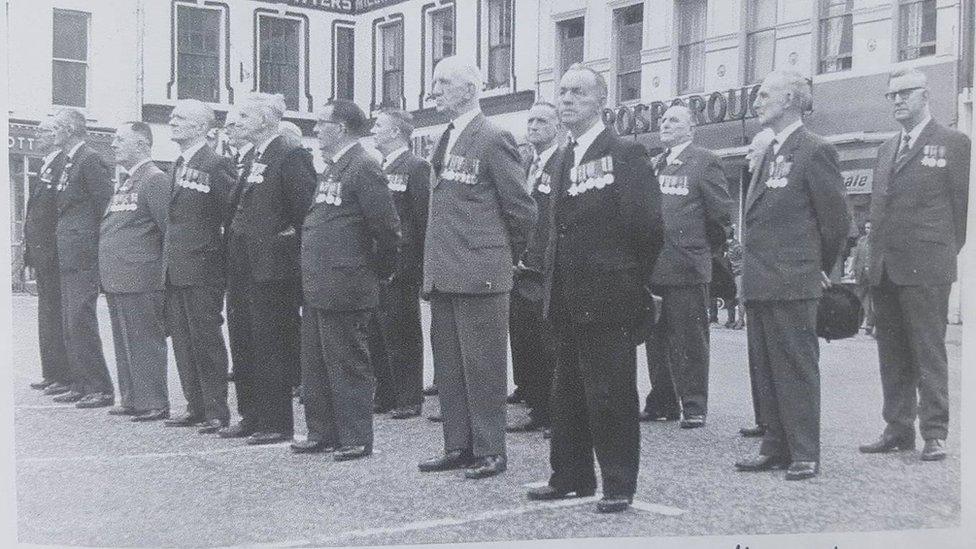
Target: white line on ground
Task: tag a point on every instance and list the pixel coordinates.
(45, 407)
(243, 448)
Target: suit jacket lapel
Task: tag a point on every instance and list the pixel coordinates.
(466, 137)
(395, 165)
(787, 148)
(884, 171)
(917, 146)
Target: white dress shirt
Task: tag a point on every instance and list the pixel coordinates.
(460, 123)
(584, 141)
(783, 135)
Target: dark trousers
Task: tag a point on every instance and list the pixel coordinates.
(50, 327)
(79, 292)
(864, 293)
(194, 320)
(595, 408)
(337, 378)
(911, 328)
(469, 336)
(138, 332)
(265, 331)
(397, 347)
(783, 345)
(533, 355)
(677, 352)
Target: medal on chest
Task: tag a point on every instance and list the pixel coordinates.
(544, 183)
(461, 170)
(257, 173)
(779, 172)
(934, 156)
(396, 182)
(195, 180)
(329, 191)
(124, 201)
(674, 184)
(63, 180)
(596, 174)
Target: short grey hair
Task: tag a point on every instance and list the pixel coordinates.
(601, 82)
(74, 121)
(911, 73)
(464, 71)
(203, 113)
(291, 132)
(797, 85)
(686, 110)
(402, 121)
(271, 105)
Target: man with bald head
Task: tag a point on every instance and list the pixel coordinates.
(697, 210)
(479, 221)
(794, 224)
(193, 267)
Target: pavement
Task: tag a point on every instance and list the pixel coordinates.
(86, 478)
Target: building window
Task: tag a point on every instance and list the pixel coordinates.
(279, 54)
(392, 52)
(499, 42)
(691, 45)
(836, 35)
(69, 74)
(760, 39)
(442, 35)
(198, 54)
(344, 48)
(570, 43)
(916, 29)
(630, 28)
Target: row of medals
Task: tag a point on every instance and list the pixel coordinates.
(778, 173)
(592, 175)
(935, 156)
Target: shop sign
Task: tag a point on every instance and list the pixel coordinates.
(858, 181)
(21, 144)
(713, 108)
(338, 6)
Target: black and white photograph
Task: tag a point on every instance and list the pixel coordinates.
(488, 273)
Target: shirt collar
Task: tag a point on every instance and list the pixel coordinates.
(244, 149)
(393, 156)
(188, 154)
(545, 155)
(783, 135)
(916, 131)
(135, 168)
(584, 141)
(677, 150)
(74, 150)
(464, 119)
(264, 145)
(343, 150)
(49, 159)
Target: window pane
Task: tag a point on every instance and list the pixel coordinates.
(762, 14)
(392, 63)
(198, 54)
(499, 22)
(499, 65)
(629, 86)
(629, 30)
(917, 32)
(691, 67)
(570, 42)
(345, 61)
(279, 55)
(70, 35)
(691, 21)
(830, 8)
(443, 34)
(836, 43)
(761, 49)
(68, 83)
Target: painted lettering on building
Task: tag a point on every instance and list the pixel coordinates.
(713, 108)
(858, 181)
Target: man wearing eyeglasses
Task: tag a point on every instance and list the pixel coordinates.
(918, 219)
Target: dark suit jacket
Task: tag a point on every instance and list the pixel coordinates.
(918, 211)
(41, 218)
(409, 183)
(795, 231)
(528, 280)
(348, 247)
(272, 210)
(604, 241)
(86, 187)
(130, 247)
(478, 227)
(197, 205)
(697, 209)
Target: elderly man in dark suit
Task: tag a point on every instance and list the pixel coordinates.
(349, 244)
(193, 267)
(84, 190)
(264, 292)
(130, 250)
(607, 231)
(795, 222)
(41, 254)
(697, 211)
(918, 214)
(480, 219)
(398, 352)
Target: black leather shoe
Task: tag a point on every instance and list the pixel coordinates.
(888, 443)
(515, 398)
(934, 450)
(802, 470)
(487, 466)
(524, 427)
(405, 412)
(436, 418)
(761, 463)
(347, 453)
(693, 422)
(267, 437)
(238, 430)
(152, 415)
(210, 426)
(455, 459)
(613, 504)
(547, 493)
(655, 416)
(754, 431)
(42, 384)
(70, 396)
(56, 389)
(311, 447)
(123, 411)
(430, 390)
(96, 400)
(183, 420)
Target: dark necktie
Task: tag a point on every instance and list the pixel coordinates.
(437, 160)
(123, 179)
(903, 147)
(568, 162)
(176, 173)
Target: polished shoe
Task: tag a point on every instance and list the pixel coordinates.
(267, 437)
(654, 416)
(210, 426)
(70, 396)
(487, 466)
(430, 390)
(123, 411)
(436, 418)
(934, 450)
(754, 431)
(515, 398)
(888, 443)
(347, 453)
(183, 420)
(96, 400)
(802, 470)
(238, 430)
(547, 433)
(405, 412)
(311, 447)
(524, 427)
(547, 493)
(693, 422)
(152, 415)
(761, 463)
(56, 389)
(42, 384)
(454, 459)
(614, 504)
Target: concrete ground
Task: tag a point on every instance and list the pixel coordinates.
(87, 478)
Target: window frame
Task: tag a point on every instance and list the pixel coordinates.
(900, 47)
(221, 30)
(299, 62)
(381, 51)
(337, 28)
(562, 63)
(86, 63)
(432, 15)
(750, 75)
(683, 63)
(822, 18)
(508, 24)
